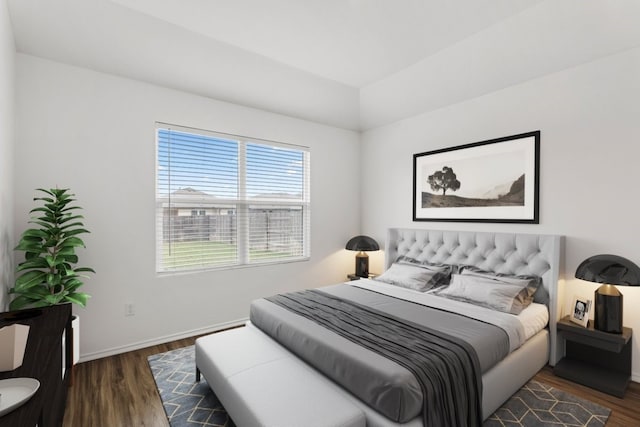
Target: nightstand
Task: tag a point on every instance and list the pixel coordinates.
(600, 360)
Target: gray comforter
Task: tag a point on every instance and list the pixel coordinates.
(385, 385)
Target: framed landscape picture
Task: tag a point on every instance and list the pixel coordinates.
(488, 181)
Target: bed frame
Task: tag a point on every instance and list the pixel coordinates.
(251, 355)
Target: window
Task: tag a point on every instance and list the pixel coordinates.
(225, 200)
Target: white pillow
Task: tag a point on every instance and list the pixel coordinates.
(505, 296)
(540, 294)
(418, 277)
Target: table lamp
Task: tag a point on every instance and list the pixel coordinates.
(609, 270)
(362, 244)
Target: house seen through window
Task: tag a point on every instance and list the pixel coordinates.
(224, 200)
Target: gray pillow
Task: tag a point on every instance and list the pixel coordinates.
(502, 295)
(540, 293)
(419, 277)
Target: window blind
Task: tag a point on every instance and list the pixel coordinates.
(225, 200)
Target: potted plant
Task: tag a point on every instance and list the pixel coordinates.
(48, 275)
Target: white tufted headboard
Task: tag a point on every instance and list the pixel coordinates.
(507, 253)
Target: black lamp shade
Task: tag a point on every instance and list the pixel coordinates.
(610, 270)
(362, 244)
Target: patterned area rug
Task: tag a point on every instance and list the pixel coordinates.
(190, 404)
(186, 402)
(537, 404)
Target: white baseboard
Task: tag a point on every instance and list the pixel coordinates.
(160, 340)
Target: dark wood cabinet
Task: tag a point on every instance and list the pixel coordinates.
(43, 360)
(600, 360)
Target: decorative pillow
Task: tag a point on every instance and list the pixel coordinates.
(540, 294)
(408, 260)
(419, 277)
(500, 295)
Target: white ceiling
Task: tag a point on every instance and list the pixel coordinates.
(354, 42)
(353, 64)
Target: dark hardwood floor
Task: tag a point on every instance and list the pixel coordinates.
(119, 391)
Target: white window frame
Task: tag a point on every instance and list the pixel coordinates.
(241, 204)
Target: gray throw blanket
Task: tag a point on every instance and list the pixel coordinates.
(446, 367)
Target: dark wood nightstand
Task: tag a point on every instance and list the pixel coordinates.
(600, 360)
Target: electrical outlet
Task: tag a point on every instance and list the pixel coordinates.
(129, 309)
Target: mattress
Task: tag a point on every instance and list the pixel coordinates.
(531, 320)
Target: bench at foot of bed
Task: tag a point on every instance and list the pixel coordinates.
(263, 385)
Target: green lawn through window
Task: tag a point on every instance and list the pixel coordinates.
(185, 255)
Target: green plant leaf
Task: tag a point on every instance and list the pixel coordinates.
(31, 240)
(33, 232)
(32, 263)
(67, 210)
(73, 242)
(30, 279)
(31, 255)
(49, 192)
(45, 199)
(52, 299)
(73, 232)
(36, 292)
(32, 247)
(66, 250)
(79, 298)
(71, 258)
(46, 221)
(48, 212)
(73, 224)
(42, 223)
(20, 302)
(72, 283)
(70, 218)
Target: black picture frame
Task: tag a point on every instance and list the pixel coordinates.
(496, 180)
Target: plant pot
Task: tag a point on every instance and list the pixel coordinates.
(75, 327)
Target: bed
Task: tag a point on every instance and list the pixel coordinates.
(386, 387)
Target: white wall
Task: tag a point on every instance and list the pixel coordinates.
(7, 100)
(94, 133)
(588, 117)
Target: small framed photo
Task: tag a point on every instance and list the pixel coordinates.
(580, 311)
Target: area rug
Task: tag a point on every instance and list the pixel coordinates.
(186, 402)
(537, 404)
(189, 404)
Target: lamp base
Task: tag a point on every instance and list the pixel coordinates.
(608, 314)
(362, 264)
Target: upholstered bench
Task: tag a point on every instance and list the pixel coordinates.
(261, 384)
